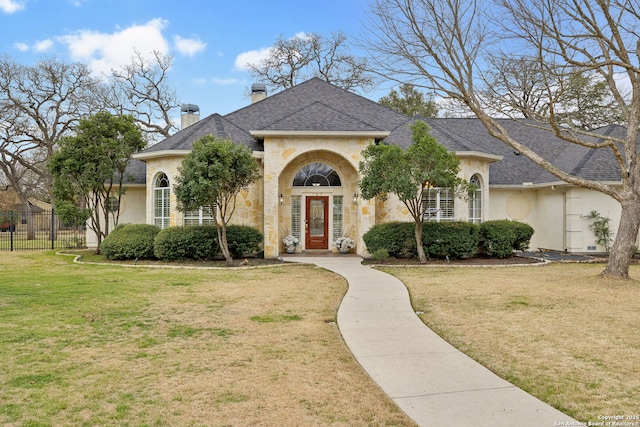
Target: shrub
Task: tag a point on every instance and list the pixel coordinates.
(601, 228)
(243, 240)
(380, 254)
(398, 238)
(500, 238)
(176, 243)
(453, 239)
(439, 239)
(523, 235)
(130, 241)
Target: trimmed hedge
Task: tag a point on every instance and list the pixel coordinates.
(130, 241)
(500, 238)
(201, 242)
(398, 238)
(439, 239)
(243, 240)
(453, 239)
(177, 243)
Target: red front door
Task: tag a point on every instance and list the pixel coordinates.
(317, 222)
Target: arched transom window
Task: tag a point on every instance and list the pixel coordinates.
(317, 175)
(475, 200)
(161, 200)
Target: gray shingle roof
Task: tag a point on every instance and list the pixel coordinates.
(316, 105)
(339, 110)
(214, 124)
(136, 172)
(514, 169)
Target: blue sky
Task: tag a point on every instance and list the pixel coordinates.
(208, 38)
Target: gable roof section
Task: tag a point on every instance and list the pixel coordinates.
(214, 124)
(336, 110)
(320, 117)
(515, 169)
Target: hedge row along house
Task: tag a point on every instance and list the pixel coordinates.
(308, 141)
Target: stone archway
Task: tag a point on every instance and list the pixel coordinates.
(317, 189)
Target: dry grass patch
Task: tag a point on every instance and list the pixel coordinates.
(560, 332)
(103, 345)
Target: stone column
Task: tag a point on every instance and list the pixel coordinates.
(366, 219)
(270, 208)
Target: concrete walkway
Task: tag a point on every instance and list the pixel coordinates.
(430, 380)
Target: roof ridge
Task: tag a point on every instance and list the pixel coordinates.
(270, 97)
(324, 104)
(608, 130)
(220, 126)
(449, 132)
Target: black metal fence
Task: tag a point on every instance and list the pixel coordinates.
(38, 230)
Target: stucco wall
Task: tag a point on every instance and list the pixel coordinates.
(557, 214)
(132, 211)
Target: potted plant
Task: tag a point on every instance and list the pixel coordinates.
(344, 244)
(290, 243)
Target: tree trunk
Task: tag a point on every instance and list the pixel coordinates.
(224, 246)
(624, 243)
(418, 232)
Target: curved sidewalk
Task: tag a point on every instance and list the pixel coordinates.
(434, 383)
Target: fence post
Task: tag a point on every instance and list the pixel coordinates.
(11, 230)
(52, 229)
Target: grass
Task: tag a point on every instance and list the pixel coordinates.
(104, 345)
(560, 332)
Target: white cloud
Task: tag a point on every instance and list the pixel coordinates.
(188, 46)
(43, 45)
(39, 47)
(22, 47)
(11, 6)
(251, 57)
(104, 52)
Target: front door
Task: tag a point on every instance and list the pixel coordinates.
(317, 222)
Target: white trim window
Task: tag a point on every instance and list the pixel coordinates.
(201, 216)
(438, 204)
(475, 200)
(161, 201)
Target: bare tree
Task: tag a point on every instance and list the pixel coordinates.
(38, 105)
(141, 89)
(445, 44)
(518, 87)
(291, 61)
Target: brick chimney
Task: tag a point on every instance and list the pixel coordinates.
(189, 114)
